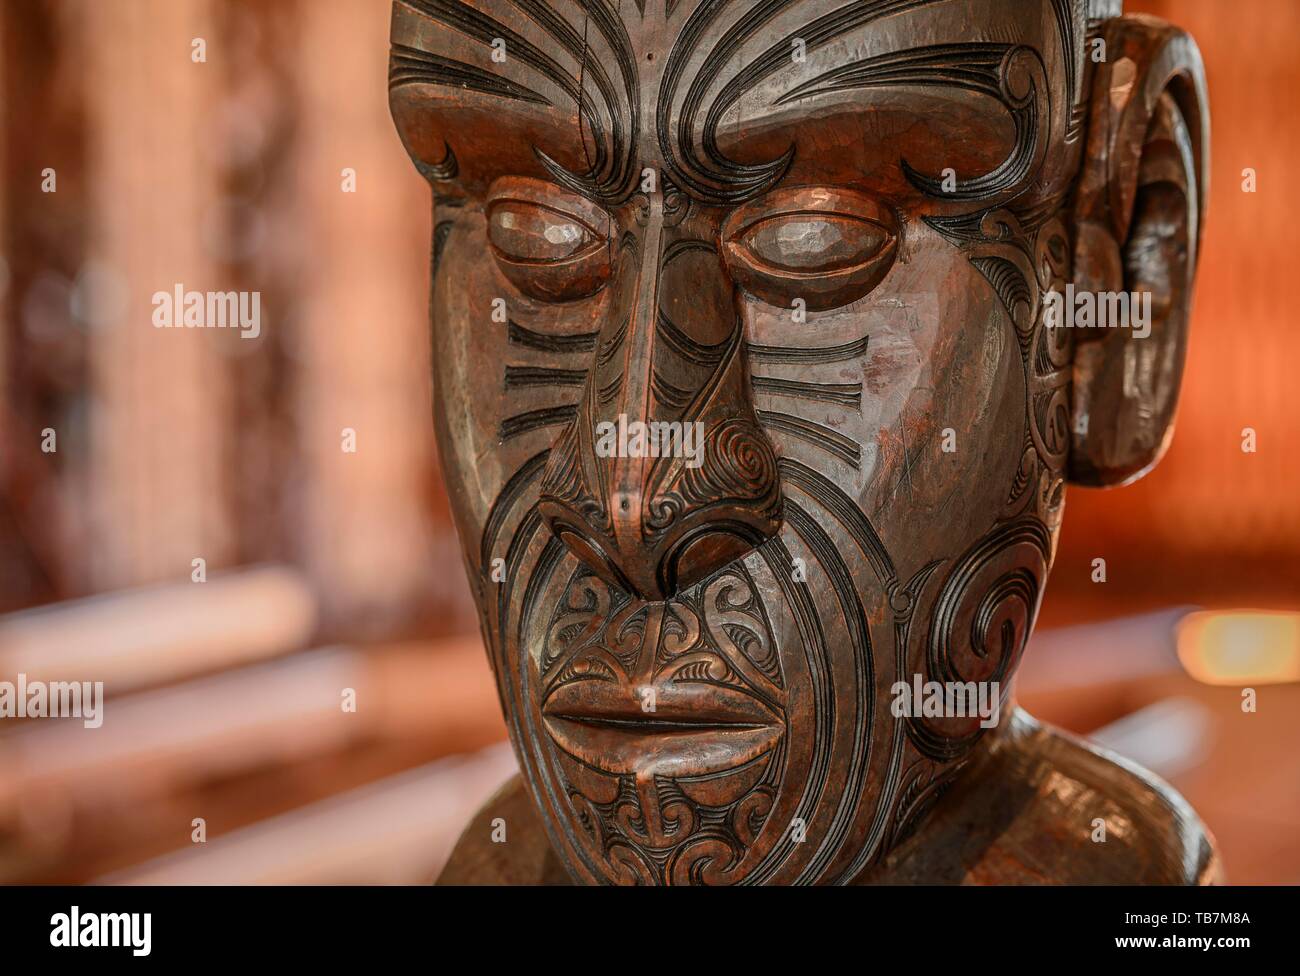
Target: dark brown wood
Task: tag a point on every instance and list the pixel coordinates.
(816, 243)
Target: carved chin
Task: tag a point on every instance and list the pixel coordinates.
(724, 736)
(664, 722)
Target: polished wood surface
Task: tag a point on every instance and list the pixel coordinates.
(665, 219)
(1025, 813)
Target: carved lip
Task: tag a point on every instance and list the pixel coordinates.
(695, 728)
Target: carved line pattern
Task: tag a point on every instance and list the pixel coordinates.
(794, 356)
(1023, 252)
(832, 500)
(717, 633)
(1022, 80)
(711, 176)
(693, 352)
(581, 342)
(989, 634)
(611, 175)
(923, 786)
(445, 169)
(411, 66)
(715, 178)
(519, 377)
(819, 435)
(523, 423)
(855, 617)
(1068, 18)
(844, 394)
(739, 465)
(506, 498)
(817, 654)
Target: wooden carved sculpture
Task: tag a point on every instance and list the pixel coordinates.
(753, 417)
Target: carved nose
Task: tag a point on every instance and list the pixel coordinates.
(665, 476)
(705, 493)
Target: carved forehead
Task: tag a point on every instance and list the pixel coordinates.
(679, 80)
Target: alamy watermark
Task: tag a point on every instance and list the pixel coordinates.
(947, 699)
(655, 438)
(53, 699)
(77, 929)
(181, 309)
(1098, 310)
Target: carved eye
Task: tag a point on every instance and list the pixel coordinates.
(526, 232)
(546, 249)
(828, 247)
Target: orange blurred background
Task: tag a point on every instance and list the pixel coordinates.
(225, 755)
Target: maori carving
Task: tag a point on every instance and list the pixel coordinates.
(749, 406)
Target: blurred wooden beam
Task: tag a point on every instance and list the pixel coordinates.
(151, 635)
(72, 796)
(398, 831)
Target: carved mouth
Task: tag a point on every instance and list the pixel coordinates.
(693, 729)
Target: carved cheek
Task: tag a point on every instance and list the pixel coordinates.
(504, 374)
(944, 384)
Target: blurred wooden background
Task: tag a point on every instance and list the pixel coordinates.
(332, 570)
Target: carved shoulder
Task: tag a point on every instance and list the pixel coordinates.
(1032, 810)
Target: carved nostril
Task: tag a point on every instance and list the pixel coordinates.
(591, 554)
(695, 521)
(705, 554)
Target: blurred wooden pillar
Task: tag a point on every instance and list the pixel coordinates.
(43, 361)
(361, 329)
(158, 396)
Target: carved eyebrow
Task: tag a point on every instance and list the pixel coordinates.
(611, 173)
(683, 116)
(985, 69)
(708, 173)
(972, 67)
(715, 177)
(411, 66)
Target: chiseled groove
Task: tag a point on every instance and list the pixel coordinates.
(688, 348)
(845, 394)
(522, 423)
(973, 67)
(819, 435)
(613, 344)
(506, 498)
(672, 397)
(607, 393)
(472, 23)
(518, 377)
(576, 44)
(544, 342)
(817, 354)
(411, 66)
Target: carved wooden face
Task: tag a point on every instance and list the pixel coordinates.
(744, 399)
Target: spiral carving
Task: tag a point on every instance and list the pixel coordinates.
(739, 467)
(981, 622)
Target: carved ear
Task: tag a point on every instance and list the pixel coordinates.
(1137, 218)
